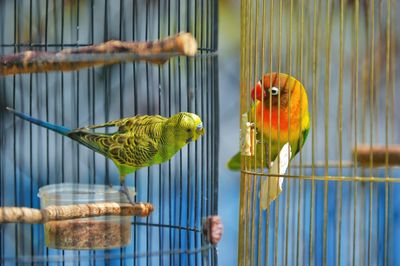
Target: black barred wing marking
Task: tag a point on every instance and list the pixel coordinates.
(135, 144)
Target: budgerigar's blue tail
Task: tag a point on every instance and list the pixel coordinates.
(59, 129)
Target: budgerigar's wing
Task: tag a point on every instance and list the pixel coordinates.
(136, 151)
(133, 150)
(135, 144)
(131, 123)
(99, 142)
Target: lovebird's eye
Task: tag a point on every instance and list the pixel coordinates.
(274, 91)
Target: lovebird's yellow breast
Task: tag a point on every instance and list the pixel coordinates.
(284, 124)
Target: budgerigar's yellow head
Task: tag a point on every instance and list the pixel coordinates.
(185, 127)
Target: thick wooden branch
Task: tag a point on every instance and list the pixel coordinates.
(67, 212)
(379, 154)
(108, 53)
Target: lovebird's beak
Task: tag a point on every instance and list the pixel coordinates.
(257, 92)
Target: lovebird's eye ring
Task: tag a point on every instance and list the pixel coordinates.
(274, 91)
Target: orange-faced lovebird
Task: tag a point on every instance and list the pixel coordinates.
(279, 115)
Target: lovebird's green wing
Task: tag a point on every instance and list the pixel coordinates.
(305, 135)
(301, 141)
(261, 149)
(234, 162)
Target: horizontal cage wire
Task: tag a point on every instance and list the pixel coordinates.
(339, 200)
(183, 190)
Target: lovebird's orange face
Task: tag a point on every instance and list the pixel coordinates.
(273, 88)
(280, 102)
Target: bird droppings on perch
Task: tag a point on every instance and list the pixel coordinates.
(378, 153)
(68, 212)
(108, 53)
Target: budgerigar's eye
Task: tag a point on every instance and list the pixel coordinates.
(188, 130)
(274, 91)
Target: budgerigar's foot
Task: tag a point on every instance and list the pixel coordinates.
(124, 189)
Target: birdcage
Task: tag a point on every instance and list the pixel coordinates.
(339, 202)
(183, 190)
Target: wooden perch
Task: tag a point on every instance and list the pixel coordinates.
(108, 53)
(67, 212)
(378, 155)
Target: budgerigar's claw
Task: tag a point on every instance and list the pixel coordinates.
(124, 189)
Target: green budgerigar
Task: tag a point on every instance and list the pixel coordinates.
(140, 141)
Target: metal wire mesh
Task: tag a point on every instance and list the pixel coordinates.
(183, 191)
(333, 210)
